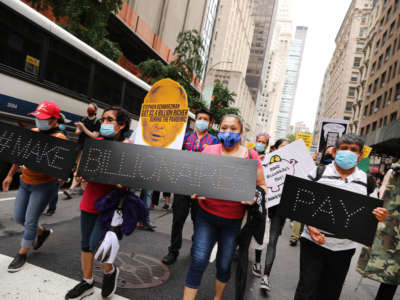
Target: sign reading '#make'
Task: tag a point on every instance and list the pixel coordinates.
(342, 213)
(176, 171)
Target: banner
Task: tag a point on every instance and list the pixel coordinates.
(181, 172)
(306, 137)
(37, 151)
(163, 116)
(330, 131)
(293, 159)
(343, 213)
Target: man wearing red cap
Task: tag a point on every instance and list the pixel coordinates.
(35, 189)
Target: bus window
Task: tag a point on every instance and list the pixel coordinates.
(134, 97)
(107, 86)
(20, 43)
(67, 67)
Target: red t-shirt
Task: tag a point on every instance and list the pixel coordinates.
(223, 208)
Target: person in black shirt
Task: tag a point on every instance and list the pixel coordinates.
(87, 127)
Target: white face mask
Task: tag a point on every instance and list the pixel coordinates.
(42, 125)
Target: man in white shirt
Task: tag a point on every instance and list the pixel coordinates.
(324, 258)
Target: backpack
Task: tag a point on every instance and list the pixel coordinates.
(370, 185)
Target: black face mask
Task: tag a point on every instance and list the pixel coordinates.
(328, 158)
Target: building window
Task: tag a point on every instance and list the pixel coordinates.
(359, 47)
(393, 116)
(374, 126)
(378, 103)
(361, 32)
(362, 131)
(363, 19)
(367, 129)
(389, 98)
(388, 14)
(365, 110)
(383, 78)
(380, 60)
(397, 94)
(394, 46)
(357, 62)
(389, 74)
(384, 38)
(385, 121)
(384, 99)
(396, 5)
(378, 44)
(387, 54)
(394, 69)
(373, 67)
(352, 92)
(354, 76)
(369, 90)
(380, 122)
(349, 106)
(371, 108)
(392, 28)
(381, 24)
(375, 85)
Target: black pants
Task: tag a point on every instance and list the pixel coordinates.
(180, 210)
(386, 292)
(322, 272)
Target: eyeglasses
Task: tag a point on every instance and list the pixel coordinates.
(109, 120)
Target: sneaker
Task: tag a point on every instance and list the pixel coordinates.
(169, 259)
(265, 285)
(81, 290)
(293, 242)
(17, 263)
(147, 226)
(49, 212)
(110, 283)
(67, 194)
(151, 206)
(256, 269)
(165, 207)
(40, 239)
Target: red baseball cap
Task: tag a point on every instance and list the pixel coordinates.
(47, 110)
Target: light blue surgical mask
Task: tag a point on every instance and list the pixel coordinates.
(62, 127)
(107, 130)
(201, 125)
(346, 159)
(42, 125)
(260, 148)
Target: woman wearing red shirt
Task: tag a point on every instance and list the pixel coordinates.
(219, 220)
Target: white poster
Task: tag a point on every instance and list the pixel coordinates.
(330, 131)
(293, 159)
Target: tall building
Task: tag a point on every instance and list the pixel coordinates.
(290, 85)
(264, 12)
(229, 56)
(269, 100)
(380, 105)
(344, 70)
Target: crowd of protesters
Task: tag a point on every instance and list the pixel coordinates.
(324, 258)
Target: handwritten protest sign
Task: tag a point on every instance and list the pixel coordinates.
(330, 131)
(293, 159)
(37, 151)
(343, 213)
(163, 116)
(181, 172)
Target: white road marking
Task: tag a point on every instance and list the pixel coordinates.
(36, 283)
(13, 198)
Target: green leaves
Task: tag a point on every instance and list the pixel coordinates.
(221, 104)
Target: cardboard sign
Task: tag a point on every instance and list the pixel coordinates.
(293, 159)
(342, 213)
(37, 151)
(366, 151)
(330, 131)
(163, 116)
(306, 137)
(181, 172)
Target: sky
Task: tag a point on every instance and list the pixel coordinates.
(323, 19)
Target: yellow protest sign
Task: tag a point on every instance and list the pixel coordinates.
(366, 151)
(163, 116)
(250, 145)
(306, 137)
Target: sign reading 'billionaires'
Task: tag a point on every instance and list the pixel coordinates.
(37, 151)
(181, 172)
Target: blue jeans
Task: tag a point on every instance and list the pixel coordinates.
(91, 231)
(29, 204)
(54, 198)
(210, 229)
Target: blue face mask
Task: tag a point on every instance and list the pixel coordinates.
(42, 125)
(260, 148)
(107, 130)
(62, 127)
(229, 139)
(346, 159)
(201, 125)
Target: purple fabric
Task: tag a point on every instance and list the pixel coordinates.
(133, 210)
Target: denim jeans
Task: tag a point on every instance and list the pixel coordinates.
(210, 229)
(91, 231)
(145, 195)
(54, 198)
(30, 203)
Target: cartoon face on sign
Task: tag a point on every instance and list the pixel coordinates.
(164, 113)
(276, 170)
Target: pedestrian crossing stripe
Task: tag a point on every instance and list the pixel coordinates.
(36, 283)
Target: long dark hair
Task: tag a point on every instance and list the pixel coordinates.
(279, 142)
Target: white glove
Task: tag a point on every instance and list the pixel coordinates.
(108, 249)
(117, 219)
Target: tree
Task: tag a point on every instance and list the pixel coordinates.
(221, 104)
(86, 19)
(291, 137)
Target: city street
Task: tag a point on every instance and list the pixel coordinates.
(57, 264)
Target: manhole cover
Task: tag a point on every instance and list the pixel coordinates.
(137, 271)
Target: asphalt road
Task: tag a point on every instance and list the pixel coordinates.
(140, 255)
